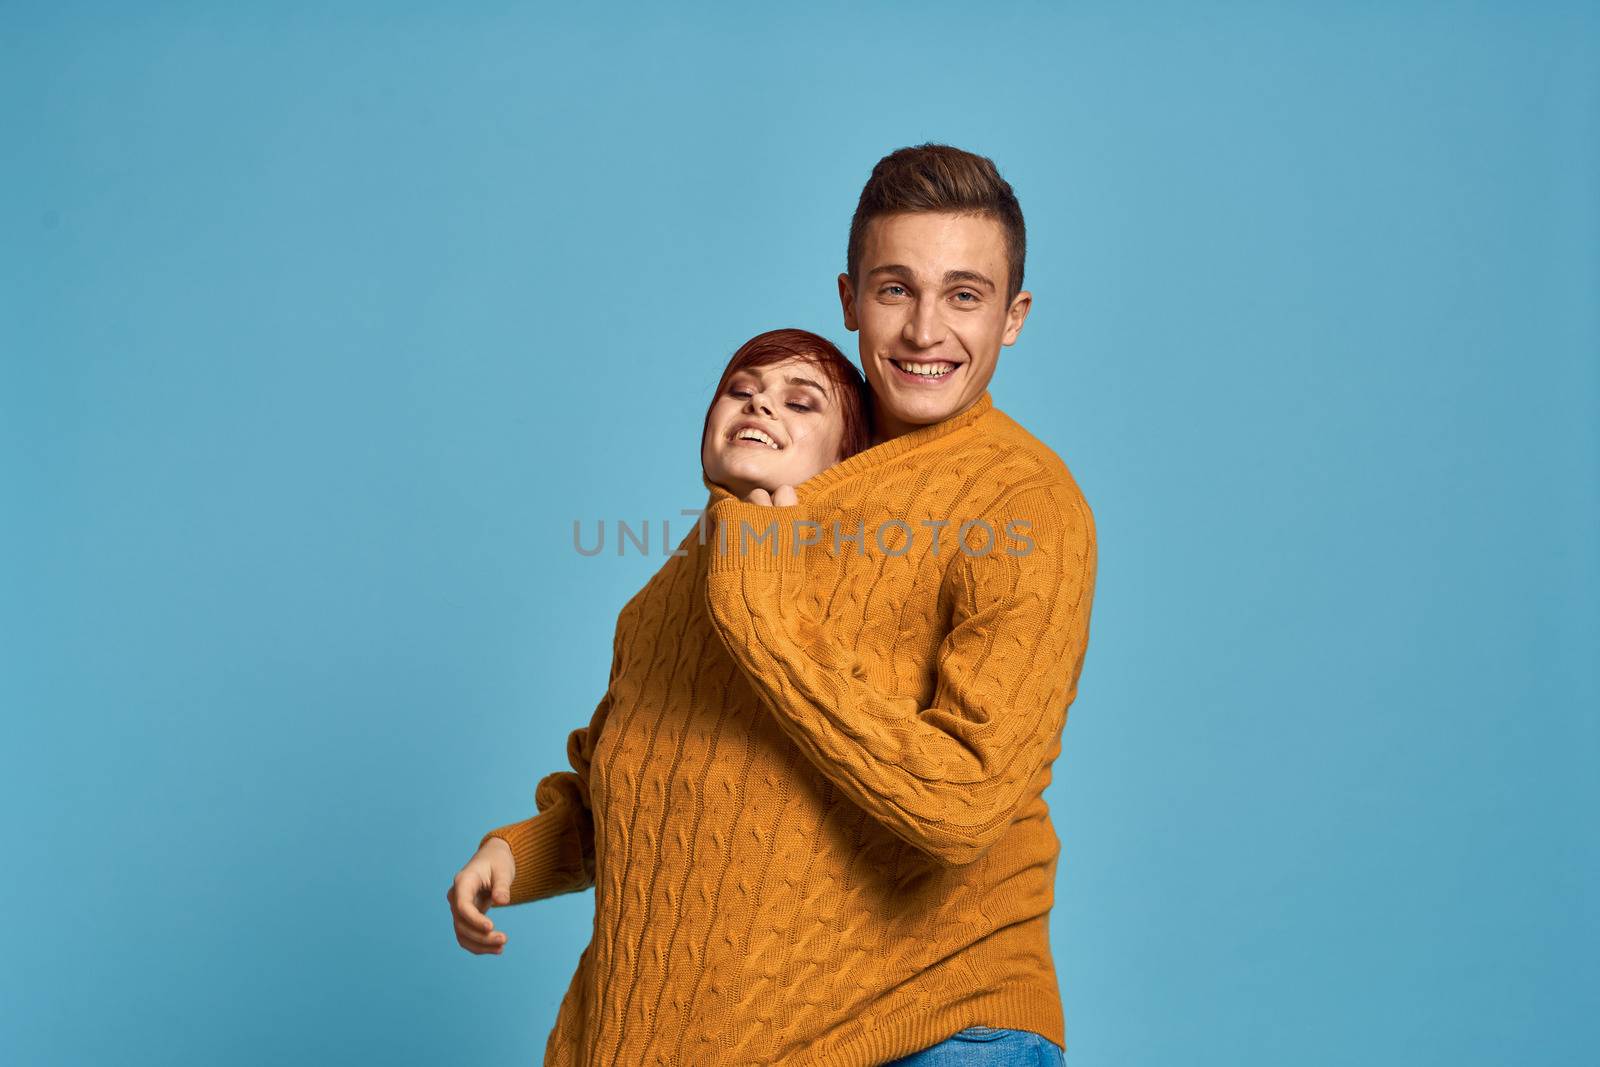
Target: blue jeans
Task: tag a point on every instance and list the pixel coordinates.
(987, 1046)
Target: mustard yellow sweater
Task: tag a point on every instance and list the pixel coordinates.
(809, 802)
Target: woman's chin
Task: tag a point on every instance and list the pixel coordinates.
(753, 469)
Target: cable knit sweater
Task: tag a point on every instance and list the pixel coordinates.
(810, 801)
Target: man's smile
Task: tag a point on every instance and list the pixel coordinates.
(925, 371)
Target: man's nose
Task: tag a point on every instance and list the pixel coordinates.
(923, 328)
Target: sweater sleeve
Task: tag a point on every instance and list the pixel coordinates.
(950, 776)
(554, 851)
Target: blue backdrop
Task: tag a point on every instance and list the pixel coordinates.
(321, 327)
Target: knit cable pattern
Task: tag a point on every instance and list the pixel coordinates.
(810, 799)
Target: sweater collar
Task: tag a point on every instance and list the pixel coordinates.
(877, 456)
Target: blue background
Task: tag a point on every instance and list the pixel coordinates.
(321, 327)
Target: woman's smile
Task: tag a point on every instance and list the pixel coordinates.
(748, 433)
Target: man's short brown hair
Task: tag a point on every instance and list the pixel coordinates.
(938, 177)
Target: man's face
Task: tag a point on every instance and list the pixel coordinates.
(932, 314)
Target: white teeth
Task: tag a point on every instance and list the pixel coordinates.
(925, 370)
(750, 433)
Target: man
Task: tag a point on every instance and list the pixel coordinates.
(933, 287)
(810, 801)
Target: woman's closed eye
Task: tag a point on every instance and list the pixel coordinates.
(796, 405)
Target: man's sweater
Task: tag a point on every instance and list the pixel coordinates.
(810, 801)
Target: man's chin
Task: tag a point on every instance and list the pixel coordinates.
(921, 407)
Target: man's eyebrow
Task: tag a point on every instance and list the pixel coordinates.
(967, 276)
(949, 276)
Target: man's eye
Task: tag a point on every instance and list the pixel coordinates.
(892, 290)
(965, 292)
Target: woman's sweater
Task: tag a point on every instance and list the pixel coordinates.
(810, 801)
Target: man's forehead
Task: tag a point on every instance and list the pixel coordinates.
(934, 241)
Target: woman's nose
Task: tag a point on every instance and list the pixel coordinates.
(759, 402)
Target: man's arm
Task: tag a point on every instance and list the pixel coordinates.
(948, 778)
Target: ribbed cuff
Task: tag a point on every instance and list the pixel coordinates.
(747, 537)
(538, 850)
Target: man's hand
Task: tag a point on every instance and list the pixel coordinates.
(484, 882)
(781, 497)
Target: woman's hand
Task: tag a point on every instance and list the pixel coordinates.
(780, 497)
(484, 882)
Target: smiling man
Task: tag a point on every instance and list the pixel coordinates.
(934, 295)
(923, 674)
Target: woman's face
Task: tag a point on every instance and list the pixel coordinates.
(773, 425)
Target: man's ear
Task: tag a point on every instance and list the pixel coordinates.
(1015, 314)
(847, 301)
